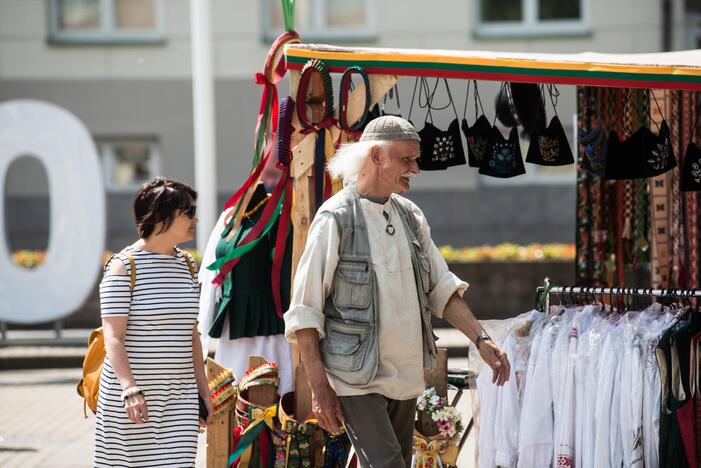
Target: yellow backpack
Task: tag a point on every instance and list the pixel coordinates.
(89, 386)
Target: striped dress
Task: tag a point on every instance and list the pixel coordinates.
(162, 311)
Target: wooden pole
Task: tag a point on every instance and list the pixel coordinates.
(219, 432)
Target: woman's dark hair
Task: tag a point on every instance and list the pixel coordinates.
(158, 201)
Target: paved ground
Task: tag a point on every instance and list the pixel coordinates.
(42, 424)
(41, 416)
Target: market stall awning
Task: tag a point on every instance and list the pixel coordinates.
(673, 70)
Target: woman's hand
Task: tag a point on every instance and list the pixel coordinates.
(210, 412)
(136, 409)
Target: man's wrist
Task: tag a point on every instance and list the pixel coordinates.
(483, 336)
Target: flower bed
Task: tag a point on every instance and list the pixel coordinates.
(34, 258)
(485, 253)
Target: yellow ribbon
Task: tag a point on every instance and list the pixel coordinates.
(260, 416)
(428, 450)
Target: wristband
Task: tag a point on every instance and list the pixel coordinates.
(482, 337)
(130, 392)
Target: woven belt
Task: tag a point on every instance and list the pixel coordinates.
(336, 450)
(314, 66)
(296, 452)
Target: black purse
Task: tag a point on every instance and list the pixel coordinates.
(204, 414)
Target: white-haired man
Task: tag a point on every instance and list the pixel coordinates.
(366, 286)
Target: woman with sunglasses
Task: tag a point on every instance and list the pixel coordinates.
(148, 411)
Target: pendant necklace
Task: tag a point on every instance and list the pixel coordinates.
(389, 229)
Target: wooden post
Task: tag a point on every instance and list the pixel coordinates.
(219, 432)
(436, 377)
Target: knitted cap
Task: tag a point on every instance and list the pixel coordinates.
(388, 128)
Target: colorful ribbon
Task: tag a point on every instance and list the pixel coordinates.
(262, 418)
(427, 451)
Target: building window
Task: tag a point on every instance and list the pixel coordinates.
(106, 21)
(323, 19)
(128, 163)
(505, 18)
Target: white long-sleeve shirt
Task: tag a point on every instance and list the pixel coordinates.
(400, 370)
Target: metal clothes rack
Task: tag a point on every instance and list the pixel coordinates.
(548, 289)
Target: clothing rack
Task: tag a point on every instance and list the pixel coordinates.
(547, 289)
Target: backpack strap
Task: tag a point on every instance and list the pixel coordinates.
(190, 265)
(125, 256)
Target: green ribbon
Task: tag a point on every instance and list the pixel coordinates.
(245, 248)
(288, 13)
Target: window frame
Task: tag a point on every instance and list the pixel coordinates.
(107, 33)
(530, 25)
(106, 146)
(321, 31)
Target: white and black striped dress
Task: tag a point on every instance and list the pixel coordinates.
(162, 311)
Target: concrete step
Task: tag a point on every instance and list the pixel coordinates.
(41, 349)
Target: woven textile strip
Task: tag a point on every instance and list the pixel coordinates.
(690, 103)
(641, 251)
(583, 233)
(676, 202)
(660, 215)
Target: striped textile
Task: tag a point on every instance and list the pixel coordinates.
(162, 311)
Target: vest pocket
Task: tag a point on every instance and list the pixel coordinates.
(424, 266)
(345, 346)
(353, 288)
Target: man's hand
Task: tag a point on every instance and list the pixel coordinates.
(497, 360)
(459, 315)
(326, 406)
(327, 409)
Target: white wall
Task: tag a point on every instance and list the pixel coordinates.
(616, 26)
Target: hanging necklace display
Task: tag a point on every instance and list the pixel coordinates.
(390, 228)
(439, 149)
(392, 94)
(477, 136)
(504, 158)
(643, 154)
(550, 147)
(691, 166)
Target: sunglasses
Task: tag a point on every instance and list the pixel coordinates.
(190, 211)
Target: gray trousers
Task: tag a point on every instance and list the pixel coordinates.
(380, 429)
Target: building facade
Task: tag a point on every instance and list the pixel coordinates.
(124, 68)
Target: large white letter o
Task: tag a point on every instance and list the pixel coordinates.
(64, 146)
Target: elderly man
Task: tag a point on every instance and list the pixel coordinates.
(365, 288)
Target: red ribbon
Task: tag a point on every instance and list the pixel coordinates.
(281, 242)
(326, 123)
(268, 211)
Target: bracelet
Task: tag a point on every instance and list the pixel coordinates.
(482, 337)
(130, 392)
